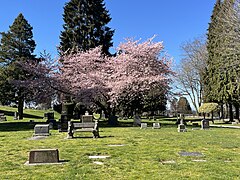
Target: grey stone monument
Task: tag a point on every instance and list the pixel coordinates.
(15, 116)
(156, 126)
(182, 127)
(143, 125)
(205, 124)
(41, 130)
(44, 156)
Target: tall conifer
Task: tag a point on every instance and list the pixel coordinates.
(222, 79)
(85, 26)
(17, 45)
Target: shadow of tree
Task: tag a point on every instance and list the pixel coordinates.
(18, 126)
(25, 115)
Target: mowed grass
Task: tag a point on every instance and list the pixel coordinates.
(145, 154)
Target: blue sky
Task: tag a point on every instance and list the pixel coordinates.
(174, 21)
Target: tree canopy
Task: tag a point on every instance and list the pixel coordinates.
(85, 26)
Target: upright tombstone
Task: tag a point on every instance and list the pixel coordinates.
(67, 112)
(182, 127)
(41, 130)
(156, 126)
(87, 118)
(49, 116)
(43, 156)
(137, 120)
(205, 124)
(15, 116)
(2, 117)
(64, 123)
(103, 115)
(143, 125)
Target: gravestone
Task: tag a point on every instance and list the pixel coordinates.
(156, 126)
(49, 116)
(2, 117)
(44, 156)
(143, 125)
(182, 127)
(184, 153)
(137, 120)
(15, 116)
(50, 125)
(195, 124)
(41, 130)
(87, 118)
(103, 115)
(64, 123)
(205, 124)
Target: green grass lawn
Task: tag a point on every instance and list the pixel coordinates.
(145, 154)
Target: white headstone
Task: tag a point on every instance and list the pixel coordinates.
(156, 126)
(143, 125)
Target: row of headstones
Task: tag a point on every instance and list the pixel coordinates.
(2, 117)
(155, 126)
(204, 126)
(181, 126)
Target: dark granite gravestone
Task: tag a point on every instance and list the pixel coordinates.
(64, 123)
(44, 156)
(49, 116)
(41, 130)
(205, 124)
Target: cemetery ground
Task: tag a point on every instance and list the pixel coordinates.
(134, 153)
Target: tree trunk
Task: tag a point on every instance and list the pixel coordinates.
(230, 112)
(112, 118)
(222, 112)
(237, 111)
(20, 107)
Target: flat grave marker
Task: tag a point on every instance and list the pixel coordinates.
(184, 153)
(98, 157)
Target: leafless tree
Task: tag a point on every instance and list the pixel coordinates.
(189, 77)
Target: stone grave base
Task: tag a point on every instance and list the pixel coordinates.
(37, 164)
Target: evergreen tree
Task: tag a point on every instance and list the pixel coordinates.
(210, 89)
(17, 45)
(221, 83)
(85, 26)
(183, 106)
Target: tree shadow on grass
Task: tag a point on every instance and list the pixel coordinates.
(17, 126)
(25, 115)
